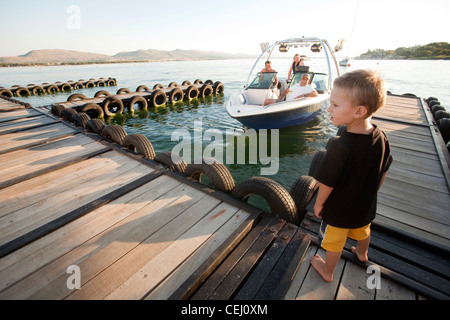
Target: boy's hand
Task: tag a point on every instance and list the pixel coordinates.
(318, 210)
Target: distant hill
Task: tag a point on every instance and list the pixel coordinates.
(435, 50)
(57, 57)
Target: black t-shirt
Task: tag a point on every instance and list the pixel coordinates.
(354, 165)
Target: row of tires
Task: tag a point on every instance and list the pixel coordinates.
(115, 104)
(442, 118)
(22, 91)
(290, 206)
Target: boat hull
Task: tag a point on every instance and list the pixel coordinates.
(279, 118)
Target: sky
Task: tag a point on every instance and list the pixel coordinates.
(233, 26)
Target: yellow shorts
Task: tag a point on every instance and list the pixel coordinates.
(333, 238)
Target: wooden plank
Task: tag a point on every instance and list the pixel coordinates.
(17, 114)
(228, 233)
(27, 138)
(15, 223)
(315, 288)
(24, 162)
(391, 290)
(25, 123)
(353, 284)
(36, 258)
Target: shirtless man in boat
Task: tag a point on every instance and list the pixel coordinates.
(268, 68)
(299, 90)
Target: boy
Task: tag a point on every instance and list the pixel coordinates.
(352, 170)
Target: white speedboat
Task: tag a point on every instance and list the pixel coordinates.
(248, 107)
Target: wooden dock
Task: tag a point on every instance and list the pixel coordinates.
(136, 230)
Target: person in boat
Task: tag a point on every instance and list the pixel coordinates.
(353, 169)
(298, 61)
(300, 90)
(268, 68)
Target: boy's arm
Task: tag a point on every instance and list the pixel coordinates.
(322, 196)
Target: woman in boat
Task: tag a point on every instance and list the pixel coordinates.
(298, 61)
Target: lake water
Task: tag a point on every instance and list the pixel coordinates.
(297, 144)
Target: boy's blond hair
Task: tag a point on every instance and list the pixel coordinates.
(365, 88)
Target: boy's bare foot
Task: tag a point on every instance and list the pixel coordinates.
(361, 256)
(318, 264)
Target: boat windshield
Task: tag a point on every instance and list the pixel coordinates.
(319, 81)
(263, 80)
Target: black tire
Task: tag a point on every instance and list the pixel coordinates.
(142, 88)
(218, 87)
(76, 96)
(430, 99)
(210, 82)
(302, 193)
(78, 85)
(206, 90)
(100, 83)
(93, 110)
(278, 199)
(219, 176)
(198, 81)
(102, 93)
(444, 128)
(38, 90)
(114, 133)
(53, 88)
(433, 103)
(56, 110)
(95, 126)
(139, 144)
(158, 86)
(80, 119)
(6, 93)
(191, 92)
(67, 114)
(112, 106)
(176, 95)
(158, 98)
(316, 161)
(186, 83)
(90, 84)
(441, 114)
(172, 85)
(436, 108)
(172, 161)
(140, 101)
(65, 87)
(123, 91)
(22, 92)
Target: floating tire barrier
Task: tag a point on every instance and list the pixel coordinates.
(138, 143)
(206, 90)
(123, 91)
(219, 176)
(142, 88)
(158, 86)
(95, 126)
(436, 108)
(171, 161)
(158, 98)
(444, 128)
(76, 96)
(52, 89)
(112, 106)
(172, 85)
(80, 119)
(6, 93)
(176, 95)
(22, 92)
(139, 101)
(114, 133)
(302, 192)
(192, 92)
(278, 199)
(93, 110)
(102, 93)
(218, 87)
